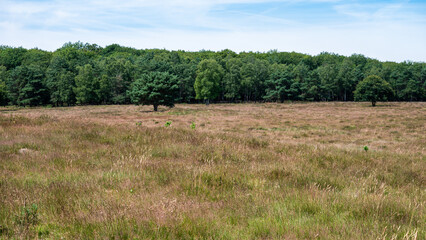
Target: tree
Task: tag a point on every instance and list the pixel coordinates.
(187, 73)
(345, 79)
(373, 88)
(11, 57)
(232, 78)
(207, 83)
(3, 88)
(86, 87)
(60, 82)
(254, 74)
(66, 85)
(120, 75)
(104, 91)
(328, 76)
(279, 84)
(155, 88)
(26, 86)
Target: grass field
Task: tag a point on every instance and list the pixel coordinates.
(247, 171)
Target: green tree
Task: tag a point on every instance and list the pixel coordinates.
(232, 79)
(254, 74)
(187, 73)
(104, 92)
(60, 81)
(155, 88)
(11, 57)
(280, 82)
(3, 94)
(86, 86)
(207, 83)
(345, 79)
(66, 85)
(120, 75)
(26, 86)
(373, 88)
(328, 76)
(3, 89)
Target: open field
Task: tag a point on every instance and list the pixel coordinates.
(247, 171)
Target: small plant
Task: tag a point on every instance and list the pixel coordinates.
(366, 148)
(168, 123)
(28, 216)
(131, 190)
(42, 231)
(193, 125)
(139, 123)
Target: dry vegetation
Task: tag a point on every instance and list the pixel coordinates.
(247, 171)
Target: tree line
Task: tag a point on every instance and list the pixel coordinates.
(82, 73)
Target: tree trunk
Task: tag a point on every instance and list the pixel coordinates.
(155, 108)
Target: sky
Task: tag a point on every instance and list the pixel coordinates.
(384, 30)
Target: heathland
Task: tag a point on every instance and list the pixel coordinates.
(224, 171)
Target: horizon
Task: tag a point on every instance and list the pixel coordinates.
(387, 31)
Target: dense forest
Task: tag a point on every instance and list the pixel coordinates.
(79, 73)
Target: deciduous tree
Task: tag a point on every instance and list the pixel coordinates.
(207, 83)
(373, 89)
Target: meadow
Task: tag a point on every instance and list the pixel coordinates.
(224, 171)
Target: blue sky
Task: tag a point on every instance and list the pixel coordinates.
(385, 30)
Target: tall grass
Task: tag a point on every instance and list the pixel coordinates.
(93, 179)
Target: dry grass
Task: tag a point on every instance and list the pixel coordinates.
(247, 171)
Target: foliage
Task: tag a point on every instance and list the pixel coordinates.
(82, 73)
(28, 216)
(3, 88)
(155, 88)
(373, 89)
(280, 86)
(86, 86)
(26, 86)
(168, 123)
(207, 83)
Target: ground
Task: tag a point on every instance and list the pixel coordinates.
(245, 171)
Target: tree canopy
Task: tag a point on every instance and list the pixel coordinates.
(373, 88)
(207, 83)
(82, 73)
(155, 88)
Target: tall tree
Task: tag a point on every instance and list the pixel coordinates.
(26, 86)
(254, 74)
(86, 86)
(232, 78)
(60, 81)
(346, 80)
(207, 83)
(328, 75)
(3, 89)
(120, 73)
(12, 57)
(280, 83)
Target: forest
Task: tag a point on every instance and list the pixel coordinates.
(87, 74)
